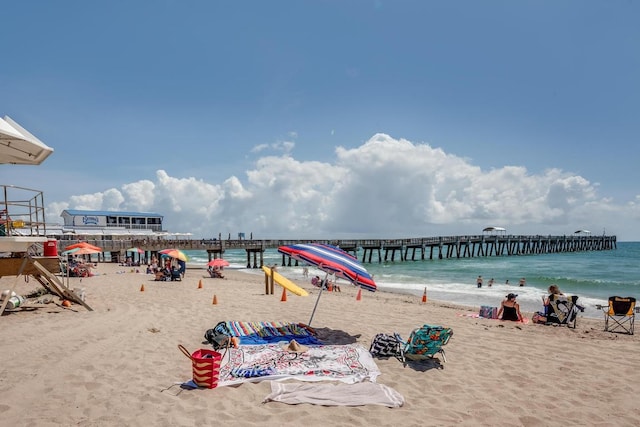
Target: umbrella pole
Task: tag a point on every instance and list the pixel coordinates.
(318, 299)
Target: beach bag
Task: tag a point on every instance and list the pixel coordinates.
(538, 317)
(219, 337)
(384, 345)
(488, 312)
(205, 366)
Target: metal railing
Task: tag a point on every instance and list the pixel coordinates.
(21, 212)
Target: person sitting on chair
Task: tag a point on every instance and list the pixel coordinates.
(215, 273)
(175, 274)
(541, 316)
(162, 275)
(510, 309)
(554, 294)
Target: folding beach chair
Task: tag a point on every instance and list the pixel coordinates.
(564, 310)
(424, 343)
(622, 313)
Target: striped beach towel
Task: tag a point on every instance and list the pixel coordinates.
(271, 332)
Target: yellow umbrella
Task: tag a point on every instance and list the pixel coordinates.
(174, 253)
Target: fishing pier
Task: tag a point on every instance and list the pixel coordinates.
(378, 250)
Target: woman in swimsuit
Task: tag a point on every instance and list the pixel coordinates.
(510, 309)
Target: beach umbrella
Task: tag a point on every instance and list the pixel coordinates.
(83, 245)
(331, 260)
(218, 262)
(134, 251)
(82, 251)
(174, 253)
(18, 146)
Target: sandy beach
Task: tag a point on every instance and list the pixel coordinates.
(120, 365)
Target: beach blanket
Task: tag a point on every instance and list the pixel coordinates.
(350, 364)
(254, 333)
(331, 394)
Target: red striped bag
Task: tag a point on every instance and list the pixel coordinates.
(205, 365)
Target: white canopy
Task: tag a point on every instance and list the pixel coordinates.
(18, 146)
(582, 232)
(496, 229)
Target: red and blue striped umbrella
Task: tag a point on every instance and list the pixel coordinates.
(331, 260)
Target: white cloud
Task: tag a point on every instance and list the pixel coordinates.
(384, 188)
(285, 147)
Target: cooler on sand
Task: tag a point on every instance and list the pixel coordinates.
(51, 248)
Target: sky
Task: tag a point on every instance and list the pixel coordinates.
(332, 119)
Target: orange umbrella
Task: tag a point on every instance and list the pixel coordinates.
(83, 245)
(83, 251)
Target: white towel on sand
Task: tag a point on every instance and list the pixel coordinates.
(331, 394)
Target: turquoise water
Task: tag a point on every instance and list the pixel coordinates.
(593, 276)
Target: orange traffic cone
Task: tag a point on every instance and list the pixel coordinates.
(424, 295)
(142, 288)
(284, 295)
(200, 284)
(215, 300)
(359, 295)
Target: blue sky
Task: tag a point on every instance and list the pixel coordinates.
(333, 118)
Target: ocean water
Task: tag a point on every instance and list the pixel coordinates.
(593, 276)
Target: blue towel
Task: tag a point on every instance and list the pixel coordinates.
(257, 340)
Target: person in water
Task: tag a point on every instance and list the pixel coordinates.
(510, 309)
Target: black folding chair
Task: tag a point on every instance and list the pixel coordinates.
(620, 314)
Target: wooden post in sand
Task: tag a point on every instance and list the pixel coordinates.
(271, 286)
(268, 282)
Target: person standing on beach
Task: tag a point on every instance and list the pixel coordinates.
(479, 281)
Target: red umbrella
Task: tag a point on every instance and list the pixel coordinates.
(218, 262)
